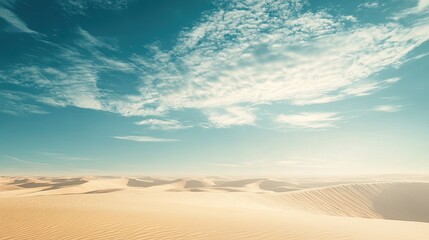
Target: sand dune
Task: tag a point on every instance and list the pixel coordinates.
(397, 200)
(211, 208)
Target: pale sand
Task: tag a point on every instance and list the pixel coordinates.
(385, 207)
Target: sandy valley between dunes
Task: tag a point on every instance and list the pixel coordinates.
(213, 208)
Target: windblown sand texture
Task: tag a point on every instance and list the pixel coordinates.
(388, 207)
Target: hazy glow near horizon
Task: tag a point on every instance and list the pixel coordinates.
(223, 87)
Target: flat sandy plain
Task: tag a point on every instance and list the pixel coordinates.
(108, 207)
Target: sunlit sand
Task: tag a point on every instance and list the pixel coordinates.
(393, 207)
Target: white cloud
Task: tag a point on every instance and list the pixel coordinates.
(74, 79)
(369, 5)
(420, 8)
(362, 90)
(162, 124)
(231, 116)
(89, 41)
(80, 7)
(310, 120)
(145, 139)
(387, 108)
(16, 103)
(245, 54)
(392, 80)
(422, 4)
(16, 24)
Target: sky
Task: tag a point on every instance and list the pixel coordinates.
(250, 87)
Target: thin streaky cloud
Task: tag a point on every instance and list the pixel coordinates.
(162, 124)
(80, 7)
(387, 108)
(145, 139)
(369, 5)
(16, 24)
(232, 116)
(60, 156)
(89, 40)
(315, 120)
(32, 163)
(420, 8)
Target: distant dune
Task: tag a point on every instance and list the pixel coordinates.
(110, 207)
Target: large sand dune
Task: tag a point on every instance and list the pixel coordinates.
(397, 200)
(213, 208)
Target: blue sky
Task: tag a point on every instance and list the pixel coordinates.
(214, 87)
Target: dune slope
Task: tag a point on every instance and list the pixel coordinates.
(389, 200)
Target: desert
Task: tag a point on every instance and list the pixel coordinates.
(113, 207)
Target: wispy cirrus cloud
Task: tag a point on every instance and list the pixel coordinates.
(421, 7)
(75, 78)
(88, 41)
(422, 4)
(369, 5)
(26, 162)
(236, 58)
(162, 124)
(16, 24)
(315, 120)
(256, 68)
(231, 116)
(17, 103)
(387, 108)
(145, 139)
(79, 7)
(60, 156)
